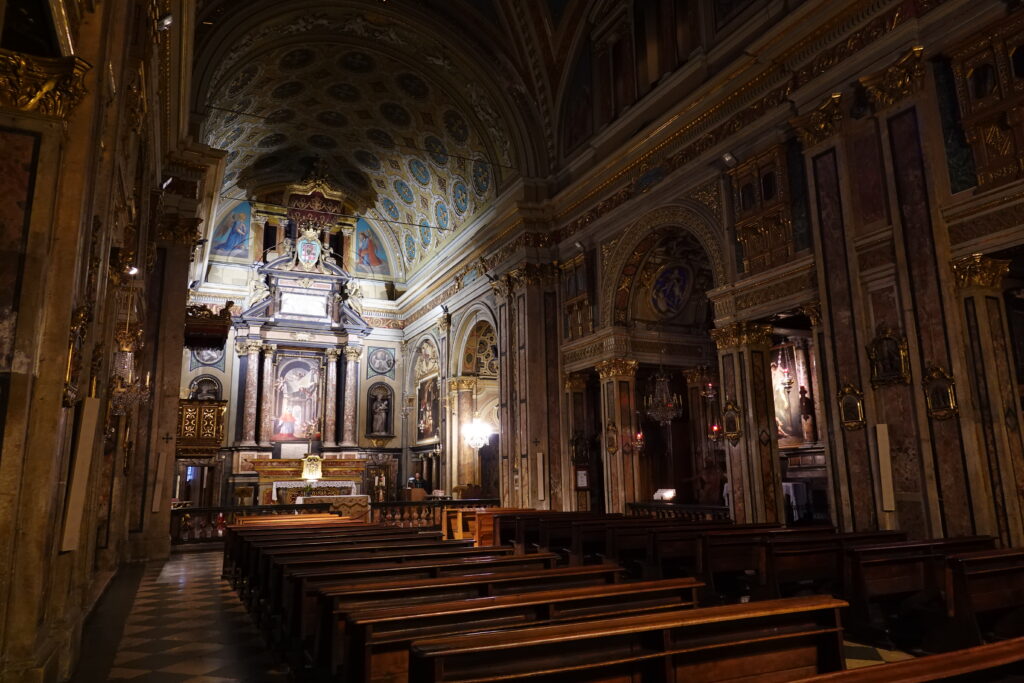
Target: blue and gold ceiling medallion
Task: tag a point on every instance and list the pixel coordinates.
(436, 149)
(410, 247)
(481, 176)
(389, 208)
(425, 235)
(404, 191)
(441, 214)
(460, 197)
(419, 171)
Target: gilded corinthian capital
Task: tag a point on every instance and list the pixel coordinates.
(742, 334)
(977, 270)
(616, 367)
(352, 353)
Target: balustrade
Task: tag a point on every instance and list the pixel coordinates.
(421, 513)
(690, 513)
(207, 524)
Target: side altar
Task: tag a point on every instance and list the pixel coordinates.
(280, 481)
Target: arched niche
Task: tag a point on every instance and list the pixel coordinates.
(380, 410)
(205, 388)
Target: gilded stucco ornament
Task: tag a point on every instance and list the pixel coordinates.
(977, 270)
(52, 87)
(821, 123)
(896, 82)
(740, 334)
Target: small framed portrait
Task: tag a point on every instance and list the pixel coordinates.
(582, 478)
(732, 422)
(851, 407)
(890, 361)
(939, 393)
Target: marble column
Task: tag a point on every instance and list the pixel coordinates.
(467, 462)
(252, 371)
(990, 402)
(753, 456)
(618, 412)
(348, 436)
(330, 435)
(267, 398)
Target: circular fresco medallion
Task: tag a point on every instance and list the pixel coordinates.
(360, 62)
(272, 140)
(334, 119)
(404, 191)
(436, 150)
(456, 126)
(419, 171)
(396, 114)
(389, 208)
(380, 138)
(344, 92)
(208, 356)
(410, 247)
(323, 141)
(280, 116)
(381, 361)
(670, 290)
(481, 176)
(441, 214)
(412, 85)
(285, 91)
(367, 159)
(425, 234)
(296, 59)
(460, 197)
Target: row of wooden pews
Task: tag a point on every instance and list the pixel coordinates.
(586, 597)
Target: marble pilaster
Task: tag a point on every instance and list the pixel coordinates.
(252, 369)
(618, 408)
(267, 393)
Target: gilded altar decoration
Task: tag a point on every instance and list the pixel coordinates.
(735, 335)
(80, 320)
(200, 426)
(977, 270)
(890, 361)
(821, 123)
(939, 393)
(732, 422)
(616, 367)
(896, 82)
(851, 407)
(48, 86)
(206, 329)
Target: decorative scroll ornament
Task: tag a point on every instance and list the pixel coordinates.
(939, 393)
(851, 407)
(52, 87)
(976, 270)
(821, 123)
(897, 82)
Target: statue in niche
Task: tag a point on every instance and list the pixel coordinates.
(807, 416)
(381, 408)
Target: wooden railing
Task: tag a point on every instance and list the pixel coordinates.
(692, 513)
(206, 525)
(422, 513)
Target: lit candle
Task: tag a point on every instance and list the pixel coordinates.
(147, 379)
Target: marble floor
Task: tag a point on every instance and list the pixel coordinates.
(186, 625)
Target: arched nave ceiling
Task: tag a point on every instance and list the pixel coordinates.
(411, 129)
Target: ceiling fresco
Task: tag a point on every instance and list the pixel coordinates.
(419, 148)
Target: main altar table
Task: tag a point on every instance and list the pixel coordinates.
(356, 507)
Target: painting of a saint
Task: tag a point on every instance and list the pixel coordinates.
(670, 289)
(370, 256)
(231, 238)
(296, 399)
(429, 410)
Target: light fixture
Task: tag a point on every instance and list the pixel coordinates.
(164, 22)
(133, 270)
(661, 405)
(710, 395)
(639, 441)
(477, 433)
(729, 160)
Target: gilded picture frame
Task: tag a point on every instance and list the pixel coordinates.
(939, 393)
(851, 407)
(732, 422)
(889, 358)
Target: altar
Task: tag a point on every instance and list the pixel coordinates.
(353, 506)
(280, 480)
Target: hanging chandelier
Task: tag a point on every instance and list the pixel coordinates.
(710, 395)
(477, 433)
(661, 405)
(126, 388)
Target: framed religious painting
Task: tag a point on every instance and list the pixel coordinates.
(939, 393)
(428, 410)
(851, 407)
(890, 361)
(732, 422)
(582, 477)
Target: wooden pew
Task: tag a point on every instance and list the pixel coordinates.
(520, 530)
(774, 640)
(604, 539)
(300, 602)
(985, 596)
(472, 522)
(817, 560)
(379, 639)
(880, 574)
(236, 537)
(993, 663)
(335, 605)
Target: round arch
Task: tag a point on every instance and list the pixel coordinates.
(643, 234)
(478, 312)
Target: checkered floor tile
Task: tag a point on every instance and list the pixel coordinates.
(187, 625)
